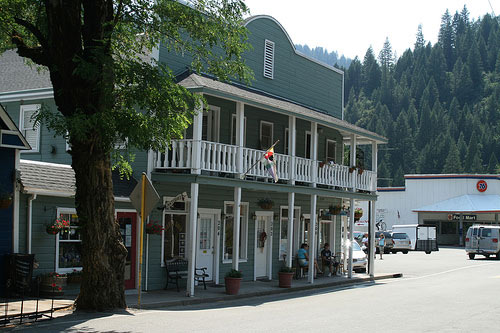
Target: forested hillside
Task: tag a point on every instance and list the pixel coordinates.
(439, 105)
(321, 54)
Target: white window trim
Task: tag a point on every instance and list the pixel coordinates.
(285, 218)
(308, 133)
(268, 70)
(244, 236)
(22, 109)
(233, 130)
(64, 210)
(178, 212)
(262, 122)
(328, 141)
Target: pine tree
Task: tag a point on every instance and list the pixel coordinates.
(420, 41)
(446, 39)
(493, 164)
(453, 163)
(473, 161)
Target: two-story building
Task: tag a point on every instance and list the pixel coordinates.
(294, 101)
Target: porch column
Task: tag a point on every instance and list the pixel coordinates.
(236, 227)
(291, 212)
(374, 164)
(240, 132)
(314, 152)
(312, 238)
(193, 221)
(371, 239)
(292, 135)
(351, 238)
(197, 135)
(353, 162)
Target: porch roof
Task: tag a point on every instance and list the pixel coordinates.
(195, 82)
(468, 203)
(58, 180)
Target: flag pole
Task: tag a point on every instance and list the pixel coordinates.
(243, 175)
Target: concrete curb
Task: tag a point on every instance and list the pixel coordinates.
(189, 301)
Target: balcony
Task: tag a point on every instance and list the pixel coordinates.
(219, 157)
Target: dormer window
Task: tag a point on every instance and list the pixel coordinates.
(269, 59)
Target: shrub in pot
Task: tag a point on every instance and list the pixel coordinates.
(233, 282)
(285, 275)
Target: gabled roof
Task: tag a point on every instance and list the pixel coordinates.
(10, 136)
(58, 180)
(210, 86)
(468, 203)
(16, 75)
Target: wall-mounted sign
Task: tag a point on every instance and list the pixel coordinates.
(481, 186)
(465, 217)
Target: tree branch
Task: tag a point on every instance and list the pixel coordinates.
(118, 13)
(36, 54)
(33, 29)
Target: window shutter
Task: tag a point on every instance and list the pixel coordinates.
(30, 131)
(269, 59)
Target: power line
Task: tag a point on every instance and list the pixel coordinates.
(492, 11)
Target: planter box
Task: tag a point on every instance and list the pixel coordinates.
(53, 286)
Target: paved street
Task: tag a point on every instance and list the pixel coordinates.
(443, 291)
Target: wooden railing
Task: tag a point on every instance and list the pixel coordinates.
(219, 157)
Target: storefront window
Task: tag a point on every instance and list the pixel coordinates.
(228, 231)
(175, 238)
(448, 228)
(69, 242)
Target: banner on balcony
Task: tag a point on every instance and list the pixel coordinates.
(270, 163)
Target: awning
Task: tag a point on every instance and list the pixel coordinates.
(469, 203)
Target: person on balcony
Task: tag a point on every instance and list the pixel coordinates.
(303, 257)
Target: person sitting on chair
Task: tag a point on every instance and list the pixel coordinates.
(327, 259)
(303, 257)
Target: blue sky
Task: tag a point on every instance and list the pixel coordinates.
(351, 26)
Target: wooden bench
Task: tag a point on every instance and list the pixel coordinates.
(178, 269)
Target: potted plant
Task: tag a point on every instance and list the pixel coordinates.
(52, 284)
(154, 228)
(358, 212)
(285, 275)
(5, 200)
(57, 226)
(351, 169)
(265, 203)
(334, 209)
(233, 281)
(360, 170)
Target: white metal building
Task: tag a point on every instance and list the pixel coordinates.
(452, 202)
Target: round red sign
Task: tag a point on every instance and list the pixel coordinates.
(481, 186)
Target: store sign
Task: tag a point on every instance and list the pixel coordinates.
(465, 218)
(481, 186)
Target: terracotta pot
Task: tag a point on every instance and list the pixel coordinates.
(285, 279)
(5, 203)
(232, 285)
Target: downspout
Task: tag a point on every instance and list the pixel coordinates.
(29, 227)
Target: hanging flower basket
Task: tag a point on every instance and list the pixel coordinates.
(265, 203)
(51, 229)
(358, 212)
(334, 210)
(154, 228)
(59, 225)
(5, 203)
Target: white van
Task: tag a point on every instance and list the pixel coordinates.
(483, 239)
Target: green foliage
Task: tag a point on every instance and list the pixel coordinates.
(234, 274)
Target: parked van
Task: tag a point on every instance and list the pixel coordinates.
(483, 239)
(423, 237)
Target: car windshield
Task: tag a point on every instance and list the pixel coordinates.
(355, 246)
(400, 236)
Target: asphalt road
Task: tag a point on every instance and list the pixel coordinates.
(440, 292)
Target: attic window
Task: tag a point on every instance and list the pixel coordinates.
(269, 59)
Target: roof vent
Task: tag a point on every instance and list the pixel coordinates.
(269, 59)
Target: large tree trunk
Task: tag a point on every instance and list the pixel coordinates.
(103, 252)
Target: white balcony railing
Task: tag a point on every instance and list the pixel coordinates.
(218, 157)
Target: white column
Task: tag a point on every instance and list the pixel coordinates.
(197, 135)
(17, 195)
(193, 221)
(240, 127)
(314, 152)
(375, 163)
(291, 216)
(292, 138)
(312, 238)
(236, 227)
(351, 238)
(371, 240)
(353, 163)
(30, 223)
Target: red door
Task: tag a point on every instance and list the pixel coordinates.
(128, 223)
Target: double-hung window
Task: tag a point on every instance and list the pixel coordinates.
(27, 125)
(233, 130)
(284, 229)
(266, 135)
(228, 229)
(331, 148)
(69, 243)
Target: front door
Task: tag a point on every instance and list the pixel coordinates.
(263, 245)
(127, 222)
(205, 247)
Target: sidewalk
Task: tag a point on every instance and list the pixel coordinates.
(167, 298)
